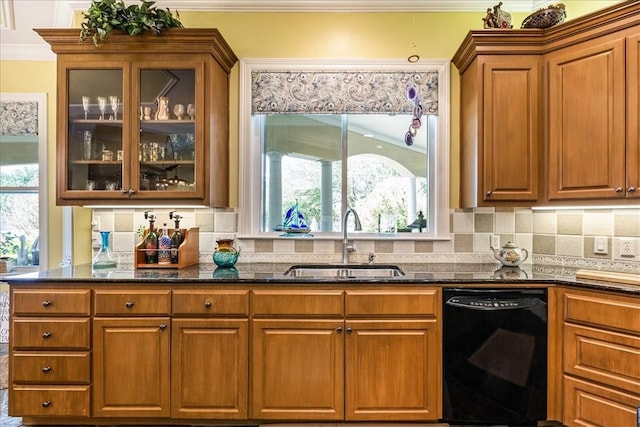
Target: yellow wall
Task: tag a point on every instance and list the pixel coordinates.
(286, 35)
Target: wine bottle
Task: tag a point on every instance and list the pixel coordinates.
(176, 238)
(151, 241)
(164, 246)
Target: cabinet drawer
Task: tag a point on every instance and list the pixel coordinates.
(47, 368)
(70, 401)
(232, 303)
(298, 303)
(396, 303)
(50, 334)
(610, 311)
(606, 357)
(44, 302)
(133, 303)
(587, 404)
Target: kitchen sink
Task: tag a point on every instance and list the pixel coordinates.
(344, 270)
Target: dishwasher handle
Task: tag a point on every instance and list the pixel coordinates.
(494, 304)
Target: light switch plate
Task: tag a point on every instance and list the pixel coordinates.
(600, 245)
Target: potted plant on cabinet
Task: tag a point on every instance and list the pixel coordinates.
(105, 16)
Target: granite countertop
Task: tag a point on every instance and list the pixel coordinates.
(273, 273)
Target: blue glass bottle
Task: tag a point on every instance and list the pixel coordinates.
(105, 257)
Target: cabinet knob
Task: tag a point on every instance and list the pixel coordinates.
(46, 403)
(489, 193)
(128, 304)
(46, 369)
(619, 190)
(124, 191)
(46, 303)
(349, 330)
(631, 189)
(46, 335)
(207, 304)
(162, 326)
(339, 329)
(131, 191)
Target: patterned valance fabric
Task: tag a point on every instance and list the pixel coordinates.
(340, 92)
(18, 118)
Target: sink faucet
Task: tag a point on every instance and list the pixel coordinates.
(346, 248)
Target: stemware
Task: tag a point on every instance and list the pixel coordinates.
(102, 105)
(114, 101)
(85, 105)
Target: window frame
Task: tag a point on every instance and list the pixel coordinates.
(43, 198)
(250, 162)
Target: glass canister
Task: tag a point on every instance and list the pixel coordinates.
(105, 258)
(225, 254)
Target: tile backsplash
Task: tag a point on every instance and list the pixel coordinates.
(565, 237)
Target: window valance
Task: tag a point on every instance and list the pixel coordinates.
(340, 92)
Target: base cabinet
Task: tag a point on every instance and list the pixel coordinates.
(601, 359)
(131, 367)
(209, 368)
(392, 370)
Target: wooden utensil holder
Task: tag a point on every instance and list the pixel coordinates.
(188, 251)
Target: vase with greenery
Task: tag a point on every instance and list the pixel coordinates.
(106, 16)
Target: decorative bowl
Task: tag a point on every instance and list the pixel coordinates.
(545, 18)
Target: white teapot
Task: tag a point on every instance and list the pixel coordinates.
(510, 255)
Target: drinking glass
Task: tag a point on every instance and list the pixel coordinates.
(102, 105)
(85, 105)
(114, 101)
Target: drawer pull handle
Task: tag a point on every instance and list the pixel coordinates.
(207, 304)
(163, 326)
(46, 369)
(46, 403)
(46, 335)
(128, 304)
(46, 303)
(339, 329)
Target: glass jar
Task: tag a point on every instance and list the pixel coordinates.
(105, 258)
(225, 254)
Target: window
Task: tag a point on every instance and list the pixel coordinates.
(322, 137)
(23, 236)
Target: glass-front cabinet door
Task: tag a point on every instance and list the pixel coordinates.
(135, 132)
(142, 120)
(96, 130)
(169, 137)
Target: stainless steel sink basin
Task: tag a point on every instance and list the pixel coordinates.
(344, 270)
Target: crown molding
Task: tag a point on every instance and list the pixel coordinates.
(333, 5)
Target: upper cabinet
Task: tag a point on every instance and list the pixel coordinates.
(550, 117)
(143, 119)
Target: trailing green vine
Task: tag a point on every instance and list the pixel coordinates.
(106, 16)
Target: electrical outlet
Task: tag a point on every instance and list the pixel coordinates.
(494, 241)
(626, 248)
(600, 245)
(95, 224)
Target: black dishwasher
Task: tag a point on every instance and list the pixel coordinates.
(495, 356)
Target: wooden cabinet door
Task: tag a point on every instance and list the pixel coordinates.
(587, 120)
(298, 369)
(209, 365)
(393, 370)
(633, 117)
(510, 129)
(131, 367)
